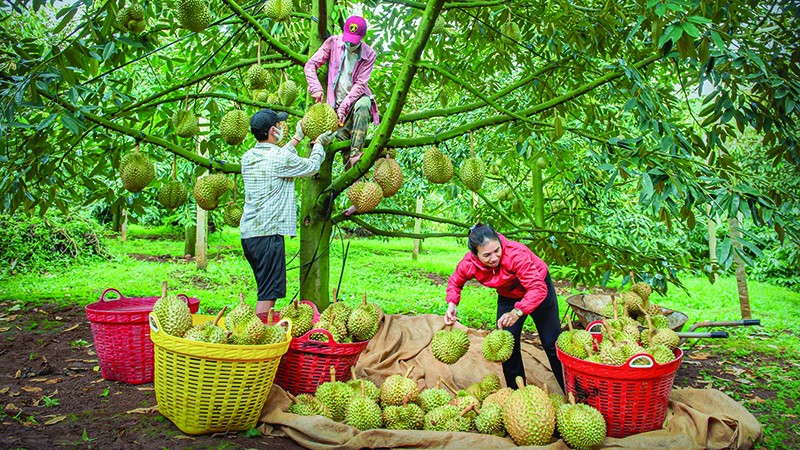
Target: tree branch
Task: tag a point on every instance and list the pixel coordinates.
(226, 96)
(141, 136)
(450, 5)
(297, 58)
(341, 217)
(379, 232)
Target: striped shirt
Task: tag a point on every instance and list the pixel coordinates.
(268, 173)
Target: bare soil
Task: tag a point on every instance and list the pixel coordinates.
(48, 356)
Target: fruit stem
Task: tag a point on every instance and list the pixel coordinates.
(258, 53)
(569, 324)
(269, 317)
(470, 406)
(333, 373)
(175, 162)
(571, 398)
(520, 382)
(353, 373)
(335, 294)
(608, 329)
(219, 315)
(408, 372)
(241, 298)
(291, 397)
(164, 289)
(364, 299)
(614, 305)
(447, 385)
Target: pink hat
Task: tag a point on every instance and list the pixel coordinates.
(355, 28)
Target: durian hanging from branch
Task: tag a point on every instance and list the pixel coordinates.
(278, 10)
(288, 91)
(136, 170)
(132, 18)
(193, 15)
(234, 126)
(184, 121)
(233, 212)
(173, 193)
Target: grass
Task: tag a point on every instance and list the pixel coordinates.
(384, 269)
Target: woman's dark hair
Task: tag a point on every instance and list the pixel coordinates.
(479, 234)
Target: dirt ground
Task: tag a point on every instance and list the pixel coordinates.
(53, 396)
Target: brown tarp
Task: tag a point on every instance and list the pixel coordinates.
(696, 419)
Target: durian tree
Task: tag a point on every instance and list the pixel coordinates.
(579, 110)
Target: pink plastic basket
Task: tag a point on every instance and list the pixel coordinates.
(121, 333)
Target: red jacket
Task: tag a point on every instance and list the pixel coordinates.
(520, 274)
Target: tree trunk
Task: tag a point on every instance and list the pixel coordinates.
(418, 229)
(115, 217)
(201, 242)
(734, 223)
(189, 239)
(538, 193)
(315, 233)
(123, 226)
(712, 242)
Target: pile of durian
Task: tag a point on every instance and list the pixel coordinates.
(633, 326)
(240, 327)
(529, 414)
(346, 324)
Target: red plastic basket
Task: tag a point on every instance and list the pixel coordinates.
(121, 332)
(632, 398)
(276, 315)
(307, 363)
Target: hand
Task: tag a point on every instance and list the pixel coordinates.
(451, 316)
(318, 96)
(298, 131)
(342, 116)
(506, 320)
(326, 138)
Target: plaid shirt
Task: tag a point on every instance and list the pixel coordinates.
(268, 173)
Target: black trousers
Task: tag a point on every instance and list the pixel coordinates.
(267, 258)
(548, 324)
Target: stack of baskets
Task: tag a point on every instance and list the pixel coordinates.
(307, 363)
(122, 335)
(208, 388)
(632, 398)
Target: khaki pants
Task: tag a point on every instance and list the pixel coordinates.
(355, 128)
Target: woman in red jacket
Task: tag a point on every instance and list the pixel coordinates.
(524, 288)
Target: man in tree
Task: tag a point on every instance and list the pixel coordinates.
(350, 63)
(268, 174)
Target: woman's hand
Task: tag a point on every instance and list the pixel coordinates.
(451, 316)
(506, 320)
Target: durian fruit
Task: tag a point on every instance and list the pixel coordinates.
(193, 15)
(272, 334)
(643, 290)
(581, 426)
(398, 387)
(407, 416)
(663, 336)
(258, 78)
(336, 326)
(259, 95)
(172, 313)
(287, 92)
(278, 10)
(319, 118)
(529, 416)
(464, 421)
(433, 397)
(234, 126)
(249, 332)
(132, 18)
(440, 26)
(490, 420)
(661, 354)
(239, 314)
(632, 302)
(659, 321)
(273, 99)
(476, 390)
(610, 311)
(185, 123)
(364, 195)
(574, 342)
(308, 405)
(388, 175)
(232, 215)
(436, 419)
(301, 315)
(498, 345)
(490, 383)
(370, 389)
(611, 352)
(450, 344)
(437, 166)
(500, 397)
(335, 395)
(362, 322)
(206, 193)
(362, 412)
(472, 173)
(172, 194)
(209, 331)
(467, 401)
(558, 400)
(136, 170)
(219, 183)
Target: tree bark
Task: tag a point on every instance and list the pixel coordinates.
(734, 223)
(189, 240)
(418, 229)
(116, 218)
(712, 242)
(201, 227)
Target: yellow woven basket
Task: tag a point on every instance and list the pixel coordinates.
(212, 388)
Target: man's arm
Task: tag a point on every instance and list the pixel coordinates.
(321, 57)
(360, 81)
(297, 166)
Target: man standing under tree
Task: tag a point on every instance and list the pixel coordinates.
(350, 63)
(268, 174)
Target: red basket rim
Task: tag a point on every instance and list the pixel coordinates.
(625, 371)
(304, 344)
(131, 305)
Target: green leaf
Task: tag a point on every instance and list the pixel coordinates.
(70, 122)
(724, 252)
(690, 29)
(718, 40)
(66, 19)
(700, 20)
(108, 51)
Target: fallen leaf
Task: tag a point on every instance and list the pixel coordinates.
(11, 409)
(755, 399)
(184, 437)
(4, 390)
(38, 380)
(744, 381)
(148, 410)
(98, 381)
(91, 352)
(54, 380)
(55, 420)
(735, 371)
(35, 402)
(74, 327)
(18, 374)
(31, 389)
(699, 356)
(59, 318)
(4, 329)
(89, 361)
(145, 389)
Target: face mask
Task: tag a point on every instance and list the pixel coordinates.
(278, 133)
(351, 46)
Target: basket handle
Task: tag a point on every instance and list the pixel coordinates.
(638, 357)
(183, 297)
(320, 330)
(103, 295)
(154, 325)
(288, 324)
(596, 323)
